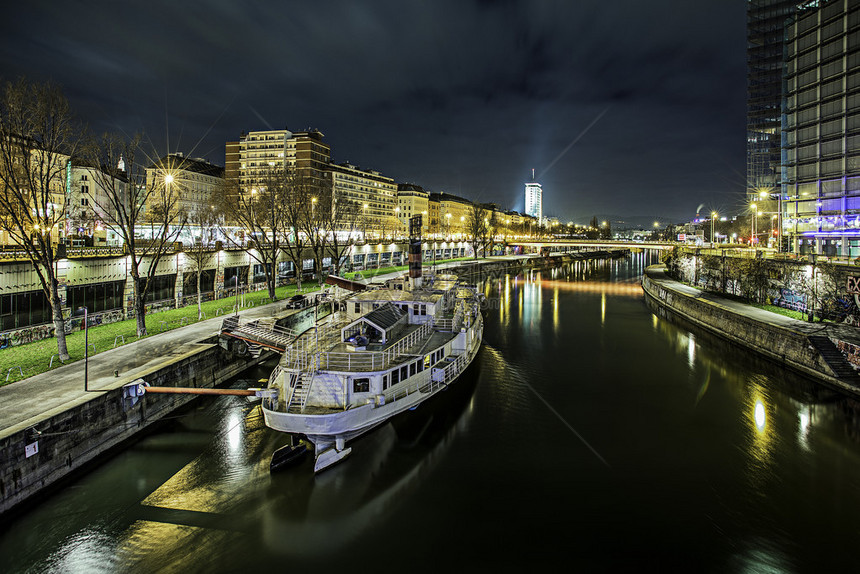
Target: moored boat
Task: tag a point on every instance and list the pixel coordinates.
(383, 352)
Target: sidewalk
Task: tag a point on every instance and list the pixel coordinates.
(34, 397)
(833, 330)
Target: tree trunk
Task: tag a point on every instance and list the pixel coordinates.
(139, 307)
(199, 296)
(270, 285)
(59, 322)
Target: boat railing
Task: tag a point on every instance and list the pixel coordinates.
(425, 383)
(445, 324)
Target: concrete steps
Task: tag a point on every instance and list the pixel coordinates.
(835, 359)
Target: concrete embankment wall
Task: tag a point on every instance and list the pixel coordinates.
(788, 347)
(38, 453)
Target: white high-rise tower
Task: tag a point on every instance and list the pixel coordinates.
(534, 198)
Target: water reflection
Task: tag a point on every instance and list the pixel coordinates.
(721, 461)
(762, 435)
(387, 465)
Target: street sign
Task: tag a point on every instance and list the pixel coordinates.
(682, 237)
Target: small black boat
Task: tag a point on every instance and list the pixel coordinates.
(287, 456)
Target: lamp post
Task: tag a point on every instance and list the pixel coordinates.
(237, 291)
(364, 219)
(713, 218)
(754, 213)
(86, 350)
(397, 217)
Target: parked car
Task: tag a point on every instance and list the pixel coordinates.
(296, 302)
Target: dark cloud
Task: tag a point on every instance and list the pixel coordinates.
(464, 97)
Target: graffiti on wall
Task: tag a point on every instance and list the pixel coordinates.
(788, 299)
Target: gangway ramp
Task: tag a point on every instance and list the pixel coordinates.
(261, 332)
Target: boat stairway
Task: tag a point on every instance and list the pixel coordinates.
(261, 336)
(300, 394)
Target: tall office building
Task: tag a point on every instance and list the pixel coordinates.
(821, 129)
(534, 199)
(766, 21)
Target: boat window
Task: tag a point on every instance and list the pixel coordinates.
(420, 364)
(395, 376)
(404, 372)
(384, 382)
(411, 369)
(358, 307)
(361, 385)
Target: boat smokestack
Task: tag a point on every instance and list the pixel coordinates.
(415, 251)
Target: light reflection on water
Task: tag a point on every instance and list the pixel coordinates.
(719, 462)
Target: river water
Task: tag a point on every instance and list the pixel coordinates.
(591, 433)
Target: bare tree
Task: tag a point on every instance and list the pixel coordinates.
(318, 224)
(199, 252)
(148, 218)
(257, 211)
(295, 208)
(477, 227)
(37, 138)
(344, 223)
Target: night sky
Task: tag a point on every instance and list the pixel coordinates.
(624, 108)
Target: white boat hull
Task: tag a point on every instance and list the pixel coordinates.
(328, 431)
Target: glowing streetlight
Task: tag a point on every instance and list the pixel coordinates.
(754, 208)
(168, 179)
(713, 219)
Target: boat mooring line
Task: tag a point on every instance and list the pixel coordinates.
(567, 424)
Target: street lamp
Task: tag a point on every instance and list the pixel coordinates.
(713, 218)
(447, 224)
(364, 219)
(397, 217)
(754, 208)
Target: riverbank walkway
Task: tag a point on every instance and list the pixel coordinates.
(25, 402)
(819, 333)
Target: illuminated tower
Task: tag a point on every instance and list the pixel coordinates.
(534, 198)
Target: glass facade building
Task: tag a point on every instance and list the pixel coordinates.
(766, 20)
(820, 176)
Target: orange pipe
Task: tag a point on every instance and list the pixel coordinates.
(195, 391)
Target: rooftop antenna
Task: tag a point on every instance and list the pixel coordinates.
(533, 174)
